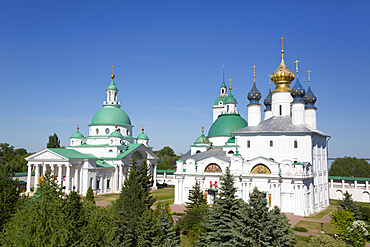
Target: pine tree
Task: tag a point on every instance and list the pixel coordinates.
(347, 202)
(218, 227)
(149, 229)
(72, 207)
(133, 211)
(196, 212)
(9, 195)
(54, 141)
(279, 230)
(90, 195)
(145, 179)
(169, 237)
(41, 221)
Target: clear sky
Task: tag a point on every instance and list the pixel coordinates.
(56, 58)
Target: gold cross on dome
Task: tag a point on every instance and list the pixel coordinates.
(234, 128)
(296, 66)
(309, 76)
(202, 129)
(254, 72)
(223, 66)
(282, 45)
(112, 68)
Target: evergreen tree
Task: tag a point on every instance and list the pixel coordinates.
(325, 240)
(74, 214)
(90, 195)
(218, 227)
(97, 230)
(41, 221)
(279, 230)
(149, 230)
(145, 179)
(169, 237)
(196, 211)
(9, 195)
(54, 141)
(347, 202)
(133, 212)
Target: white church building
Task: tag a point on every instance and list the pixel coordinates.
(100, 160)
(284, 156)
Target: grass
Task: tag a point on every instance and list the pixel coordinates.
(328, 228)
(106, 199)
(184, 241)
(301, 240)
(163, 194)
(106, 195)
(169, 202)
(320, 214)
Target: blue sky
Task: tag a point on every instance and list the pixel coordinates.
(56, 57)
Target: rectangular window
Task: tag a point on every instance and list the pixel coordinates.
(108, 183)
(271, 143)
(280, 110)
(295, 144)
(97, 184)
(248, 144)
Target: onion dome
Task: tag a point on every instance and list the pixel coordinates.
(112, 86)
(78, 135)
(224, 125)
(254, 95)
(298, 92)
(310, 99)
(230, 98)
(282, 77)
(268, 100)
(142, 136)
(202, 139)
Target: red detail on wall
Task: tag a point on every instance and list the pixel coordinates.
(64, 179)
(216, 185)
(210, 184)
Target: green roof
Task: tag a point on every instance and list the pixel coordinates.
(129, 149)
(202, 139)
(112, 86)
(231, 139)
(166, 171)
(78, 135)
(143, 136)
(71, 154)
(100, 164)
(349, 178)
(110, 115)
(230, 99)
(225, 123)
(116, 133)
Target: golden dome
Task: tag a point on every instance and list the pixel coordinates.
(282, 77)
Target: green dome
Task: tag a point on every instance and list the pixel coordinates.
(231, 139)
(111, 115)
(112, 86)
(217, 101)
(225, 123)
(230, 99)
(78, 135)
(202, 139)
(116, 134)
(143, 136)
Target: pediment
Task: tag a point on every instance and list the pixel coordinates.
(46, 155)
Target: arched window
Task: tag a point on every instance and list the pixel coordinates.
(260, 169)
(198, 151)
(231, 152)
(213, 168)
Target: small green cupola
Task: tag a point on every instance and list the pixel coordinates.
(143, 138)
(112, 92)
(115, 138)
(77, 138)
(202, 140)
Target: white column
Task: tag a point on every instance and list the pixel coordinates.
(29, 175)
(342, 184)
(154, 176)
(331, 183)
(355, 184)
(367, 185)
(76, 180)
(104, 184)
(115, 180)
(43, 169)
(120, 177)
(52, 168)
(68, 178)
(60, 174)
(37, 175)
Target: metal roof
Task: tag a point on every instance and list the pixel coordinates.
(280, 124)
(215, 152)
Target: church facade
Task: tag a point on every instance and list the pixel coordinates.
(100, 160)
(284, 155)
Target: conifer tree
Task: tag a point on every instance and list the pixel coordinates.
(196, 212)
(149, 230)
(218, 227)
(347, 202)
(9, 195)
(74, 214)
(133, 213)
(169, 237)
(90, 195)
(146, 180)
(279, 229)
(41, 221)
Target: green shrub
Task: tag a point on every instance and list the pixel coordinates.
(299, 229)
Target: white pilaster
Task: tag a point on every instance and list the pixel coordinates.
(298, 113)
(120, 177)
(254, 115)
(76, 178)
(115, 184)
(154, 175)
(29, 175)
